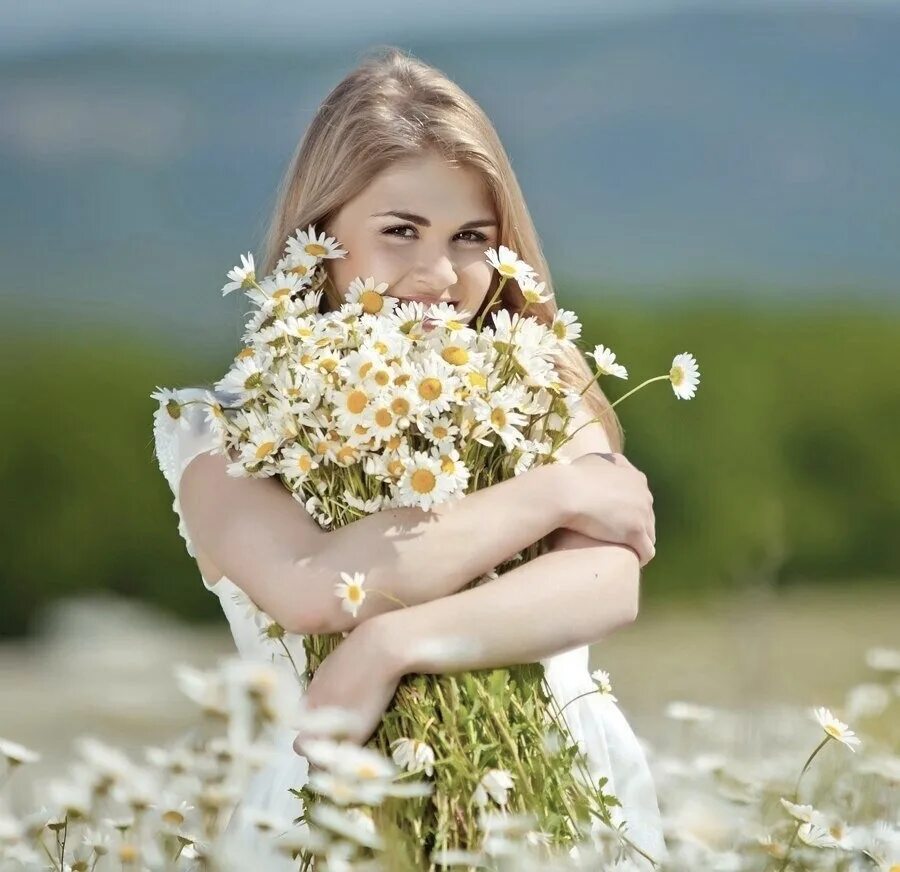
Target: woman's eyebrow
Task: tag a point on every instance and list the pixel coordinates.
(419, 219)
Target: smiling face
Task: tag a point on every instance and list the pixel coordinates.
(422, 226)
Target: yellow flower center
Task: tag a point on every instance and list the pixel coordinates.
(328, 364)
(394, 442)
(400, 406)
(382, 378)
(356, 401)
(304, 462)
(402, 379)
(264, 450)
(366, 771)
(454, 325)
(395, 468)
(383, 418)
(507, 269)
(372, 302)
(477, 380)
(281, 292)
(346, 454)
(498, 418)
(676, 374)
(447, 464)
(299, 270)
(430, 388)
(440, 432)
(315, 249)
(354, 593)
(423, 481)
(244, 352)
(455, 355)
(364, 368)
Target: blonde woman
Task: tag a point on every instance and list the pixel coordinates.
(407, 172)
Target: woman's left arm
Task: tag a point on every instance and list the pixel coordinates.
(557, 601)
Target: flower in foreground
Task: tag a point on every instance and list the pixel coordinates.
(495, 783)
(606, 365)
(350, 590)
(16, 754)
(354, 824)
(684, 375)
(321, 246)
(836, 729)
(816, 836)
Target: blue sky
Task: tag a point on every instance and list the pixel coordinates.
(25, 27)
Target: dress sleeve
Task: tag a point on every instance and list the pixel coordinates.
(179, 440)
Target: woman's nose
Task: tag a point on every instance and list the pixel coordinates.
(437, 273)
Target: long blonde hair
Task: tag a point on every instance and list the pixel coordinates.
(393, 107)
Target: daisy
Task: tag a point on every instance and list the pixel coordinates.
(495, 783)
(804, 813)
(565, 327)
(606, 365)
(346, 791)
(351, 592)
(684, 375)
(602, 679)
(497, 414)
(170, 403)
(248, 378)
(306, 242)
(413, 755)
(276, 288)
(354, 824)
(507, 263)
(298, 263)
(454, 471)
(448, 317)
(836, 729)
(16, 754)
(243, 276)
(423, 483)
(351, 406)
(408, 318)
(532, 291)
(370, 296)
(438, 429)
(434, 383)
(815, 836)
(350, 760)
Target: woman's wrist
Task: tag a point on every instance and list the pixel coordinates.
(384, 639)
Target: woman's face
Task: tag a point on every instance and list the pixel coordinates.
(422, 226)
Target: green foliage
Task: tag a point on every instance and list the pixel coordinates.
(787, 449)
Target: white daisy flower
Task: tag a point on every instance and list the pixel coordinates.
(605, 359)
(298, 263)
(306, 242)
(447, 317)
(803, 813)
(602, 678)
(346, 791)
(349, 759)
(248, 378)
(835, 728)
(172, 406)
(534, 292)
(815, 836)
(413, 755)
(423, 483)
(242, 276)
(497, 413)
(434, 384)
(507, 263)
(565, 327)
(353, 824)
(495, 783)
(370, 295)
(408, 317)
(276, 288)
(350, 591)
(16, 754)
(684, 375)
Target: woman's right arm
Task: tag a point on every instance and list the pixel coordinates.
(264, 541)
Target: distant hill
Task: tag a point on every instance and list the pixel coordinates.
(711, 150)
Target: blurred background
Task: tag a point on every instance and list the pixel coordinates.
(720, 178)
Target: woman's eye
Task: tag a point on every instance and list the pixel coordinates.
(474, 235)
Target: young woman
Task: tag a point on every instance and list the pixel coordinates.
(407, 172)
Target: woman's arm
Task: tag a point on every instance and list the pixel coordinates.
(256, 534)
(560, 600)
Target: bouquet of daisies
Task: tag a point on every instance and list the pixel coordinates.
(385, 403)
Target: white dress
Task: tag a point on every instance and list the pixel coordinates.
(595, 721)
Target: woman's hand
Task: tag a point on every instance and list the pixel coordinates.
(361, 676)
(609, 500)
